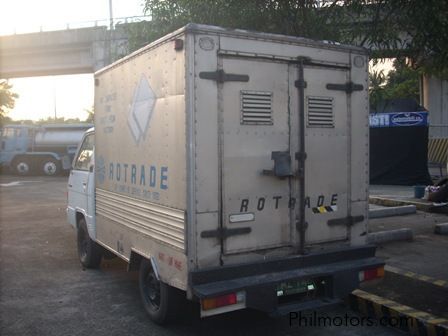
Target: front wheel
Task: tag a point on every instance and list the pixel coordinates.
(161, 302)
(89, 252)
(21, 166)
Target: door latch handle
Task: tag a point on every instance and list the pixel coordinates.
(282, 165)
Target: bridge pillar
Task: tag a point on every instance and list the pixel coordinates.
(435, 100)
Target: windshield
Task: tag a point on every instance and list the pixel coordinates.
(13, 132)
(8, 133)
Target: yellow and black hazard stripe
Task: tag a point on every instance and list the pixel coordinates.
(325, 209)
(399, 316)
(425, 278)
(438, 150)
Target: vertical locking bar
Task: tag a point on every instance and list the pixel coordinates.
(300, 84)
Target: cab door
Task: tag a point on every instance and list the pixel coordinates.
(81, 181)
(9, 142)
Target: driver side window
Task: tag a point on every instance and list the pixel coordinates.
(82, 161)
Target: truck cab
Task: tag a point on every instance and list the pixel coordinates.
(81, 184)
(15, 140)
(81, 201)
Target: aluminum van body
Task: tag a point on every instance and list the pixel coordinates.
(236, 162)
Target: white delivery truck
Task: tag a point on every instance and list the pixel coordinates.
(231, 168)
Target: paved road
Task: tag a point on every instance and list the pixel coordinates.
(44, 291)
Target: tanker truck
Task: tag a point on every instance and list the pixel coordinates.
(44, 150)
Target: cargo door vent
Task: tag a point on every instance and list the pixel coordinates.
(256, 108)
(320, 111)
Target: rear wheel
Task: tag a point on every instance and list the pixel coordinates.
(21, 166)
(50, 166)
(89, 252)
(161, 302)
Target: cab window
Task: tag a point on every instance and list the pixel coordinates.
(9, 133)
(82, 161)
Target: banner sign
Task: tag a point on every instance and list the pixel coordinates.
(401, 119)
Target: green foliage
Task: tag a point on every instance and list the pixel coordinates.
(426, 21)
(90, 115)
(306, 18)
(417, 29)
(377, 93)
(142, 33)
(401, 82)
(7, 100)
(60, 120)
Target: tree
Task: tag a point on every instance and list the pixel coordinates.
(141, 33)
(377, 92)
(417, 29)
(401, 82)
(90, 115)
(58, 120)
(309, 18)
(7, 99)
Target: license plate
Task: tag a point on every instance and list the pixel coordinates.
(295, 287)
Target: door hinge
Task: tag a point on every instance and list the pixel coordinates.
(346, 221)
(220, 76)
(348, 87)
(223, 233)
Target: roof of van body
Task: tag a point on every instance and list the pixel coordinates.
(254, 35)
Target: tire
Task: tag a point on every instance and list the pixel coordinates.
(161, 302)
(89, 252)
(50, 167)
(21, 166)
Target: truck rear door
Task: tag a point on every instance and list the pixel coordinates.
(254, 130)
(259, 136)
(327, 144)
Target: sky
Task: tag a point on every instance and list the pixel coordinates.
(66, 96)
(71, 95)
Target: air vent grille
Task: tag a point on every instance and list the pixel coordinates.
(256, 108)
(320, 111)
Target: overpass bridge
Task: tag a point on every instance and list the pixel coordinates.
(85, 50)
(61, 52)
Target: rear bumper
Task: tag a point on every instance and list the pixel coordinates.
(338, 269)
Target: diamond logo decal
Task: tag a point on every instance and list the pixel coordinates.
(141, 109)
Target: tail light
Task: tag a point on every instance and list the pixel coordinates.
(222, 301)
(372, 273)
